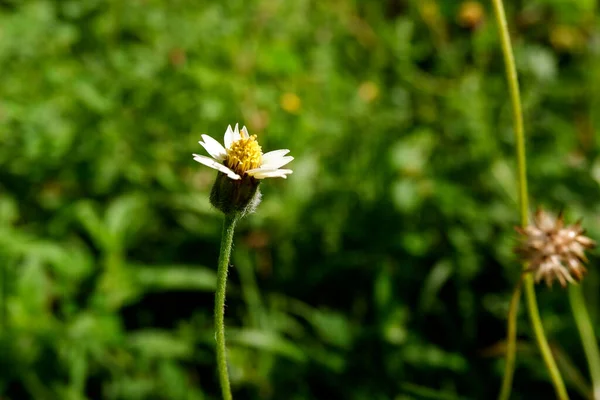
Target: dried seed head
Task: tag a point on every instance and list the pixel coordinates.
(553, 250)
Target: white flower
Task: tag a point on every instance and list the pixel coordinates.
(242, 155)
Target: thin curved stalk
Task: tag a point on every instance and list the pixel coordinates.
(511, 342)
(532, 307)
(586, 332)
(538, 329)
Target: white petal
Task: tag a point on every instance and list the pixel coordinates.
(277, 163)
(272, 166)
(274, 154)
(244, 133)
(209, 162)
(214, 148)
(278, 173)
(228, 139)
(236, 133)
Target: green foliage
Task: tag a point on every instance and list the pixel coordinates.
(381, 269)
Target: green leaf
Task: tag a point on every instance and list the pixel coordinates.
(159, 344)
(174, 277)
(267, 341)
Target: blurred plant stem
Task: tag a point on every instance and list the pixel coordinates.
(224, 255)
(3, 295)
(511, 341)
(6, 267)
(534, 315)
(588, 338)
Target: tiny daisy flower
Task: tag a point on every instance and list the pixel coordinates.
(553, 250)
(242, 165)
(242, 155)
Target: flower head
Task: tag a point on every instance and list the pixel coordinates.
(242, 156)
(242, 165)
(553, 250)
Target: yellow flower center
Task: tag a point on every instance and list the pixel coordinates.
(243, 155)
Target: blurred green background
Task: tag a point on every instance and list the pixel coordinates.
(381, 269)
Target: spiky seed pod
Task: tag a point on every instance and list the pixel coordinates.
(553, 250)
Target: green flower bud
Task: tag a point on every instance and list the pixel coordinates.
(240, 196)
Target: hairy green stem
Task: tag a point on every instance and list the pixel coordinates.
(588, 338)
(224, 255)
(511, 342)
(534, 315)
